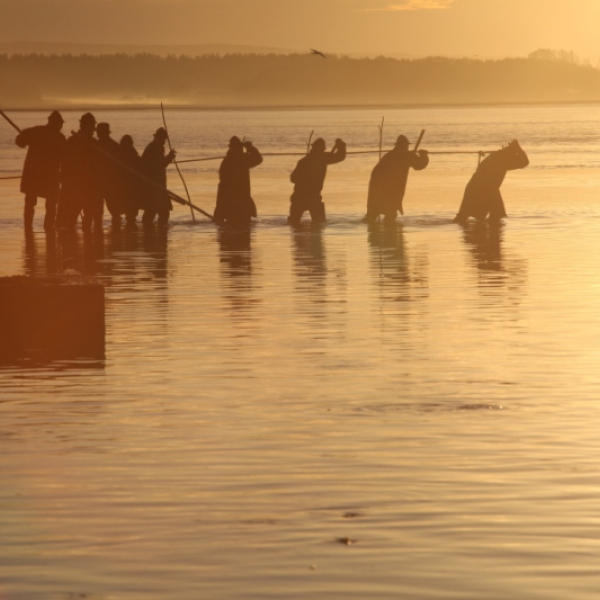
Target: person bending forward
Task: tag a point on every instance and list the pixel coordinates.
(482, 196)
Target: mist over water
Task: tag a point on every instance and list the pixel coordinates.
(407, 412)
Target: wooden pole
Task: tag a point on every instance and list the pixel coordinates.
(154, 184)
(10, 121)
(419, 140)
(309, 141)
(185, 187)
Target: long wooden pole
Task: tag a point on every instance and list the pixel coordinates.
(419, 140)
(185, 187)
(309, 141)
(10, 121)
(154, 184)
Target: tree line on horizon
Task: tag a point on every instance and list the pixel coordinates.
(36, 81)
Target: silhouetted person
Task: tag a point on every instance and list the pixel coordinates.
(234, 201)
(155, 164)
(482, 195)
(110, 171)
(308, 178)
(80, 178)
(41, 177)
(388, 180)
(132, 188)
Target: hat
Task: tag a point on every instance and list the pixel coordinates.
(126, 140)
(103, 127)
(319, 144)
(402, 141)
(88, 118)
(161, 132)
(55, 116)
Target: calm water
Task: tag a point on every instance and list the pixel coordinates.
(335, 413)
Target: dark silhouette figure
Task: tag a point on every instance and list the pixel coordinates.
(482, 195)
(132, 190)
(80, 178)
(155, 164)
(308, 178)
(388, 180)
(235, 205)
(41, 177)
(110, 171)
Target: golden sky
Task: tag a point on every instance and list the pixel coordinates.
(487, 28)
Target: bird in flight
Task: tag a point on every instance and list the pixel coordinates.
(317, 52)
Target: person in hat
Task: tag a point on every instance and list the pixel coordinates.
(40, 178)
(81, 179)
(109, 165)
(388, 180)
(482, 197)
(155, 164)
(235, 205)
(308, 178)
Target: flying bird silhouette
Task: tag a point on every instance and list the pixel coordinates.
(317, 52)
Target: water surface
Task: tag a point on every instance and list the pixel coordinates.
(322, 413)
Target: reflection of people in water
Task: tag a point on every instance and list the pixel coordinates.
(41, 169)
(389, 251)
(235, 251)
(482, 195)
(235, 205)
(400, 278)
(388, 180)
(308, 178)
(309, 252)
(484, 242)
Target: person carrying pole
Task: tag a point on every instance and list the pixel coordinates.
(387, 185)
(156, 163)
(235, 205)
(40, 179)
(308, 178)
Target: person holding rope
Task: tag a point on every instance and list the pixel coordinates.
(482, 196)
(388, 180)
(235, 205)
(41, 169)
(308, 178)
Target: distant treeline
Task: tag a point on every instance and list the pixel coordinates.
(290, 80)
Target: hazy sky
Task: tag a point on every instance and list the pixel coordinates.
(451, 27)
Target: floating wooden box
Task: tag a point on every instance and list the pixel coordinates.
(51, 318)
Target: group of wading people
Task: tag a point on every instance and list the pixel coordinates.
(79, 175)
